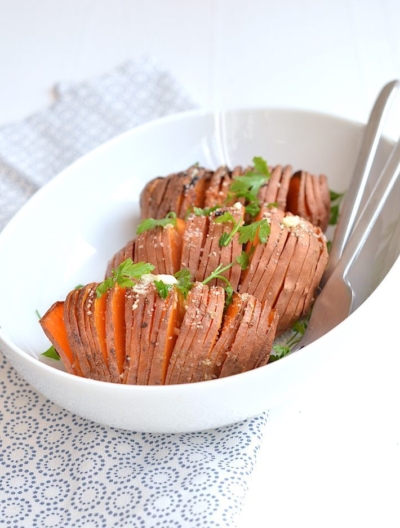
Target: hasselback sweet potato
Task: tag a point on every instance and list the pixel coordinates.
(300, 193)
(276, 275)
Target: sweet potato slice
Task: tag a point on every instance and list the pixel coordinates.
(91, 320)
(193, 193)
(74, 337)
(151, 197)
(207, 330)
(294, 278)
(182, 191)
(193, 242)
(139, 316)
(265, 257)
(192, 326)
(269, 192)
(319, 270)
(211, 366)
(214, 255)
(150, 333)
(246, 337)
(238, 354)
(295, 306)
(53, 325)
(267, 328)
(295, 202)
(309, 197)
(115, 330)
(166, 338)
(284, 188)
(218, 187)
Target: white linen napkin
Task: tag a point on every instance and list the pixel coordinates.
(59, 470)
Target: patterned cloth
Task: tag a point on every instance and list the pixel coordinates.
(58, 470)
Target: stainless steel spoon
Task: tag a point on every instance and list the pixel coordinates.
(337, 299)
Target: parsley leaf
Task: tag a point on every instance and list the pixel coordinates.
(333, 218)
(216, 274)
(248, 185)
(225, 238)
(243, 260)
(51, 353)
(198, 211)
(125, 275)
(151, 223)
(279, 351)
(336, 199)
(261, 166)
(185, 282)
(249, 232)
(162, 288)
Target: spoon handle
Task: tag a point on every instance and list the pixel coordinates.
(355, 193)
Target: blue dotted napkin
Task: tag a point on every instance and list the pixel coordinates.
(58, 470)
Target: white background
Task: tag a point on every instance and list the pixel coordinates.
(331, 457)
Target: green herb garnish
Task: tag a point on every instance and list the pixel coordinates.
(243, 260)
(336, 199)
(249, 232)
(185, 282)
(52, 353)
(227, 237)
(38, 314)
(198, 211)
(248, 185)
(216, 274)
(162, 288)
(125, 275)
(151, 223)
(279, 352)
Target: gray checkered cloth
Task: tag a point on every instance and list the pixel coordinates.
(84, 116)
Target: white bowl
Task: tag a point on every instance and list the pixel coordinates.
(69, 229)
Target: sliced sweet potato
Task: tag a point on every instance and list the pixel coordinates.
(218, 187)
(212, 364)
(170, 321)
(150, 334)
(193, 241)
(115, 330)
(53, 325)
(74, 336)
(190, 328)
(309, 198)
(206, 334)
(281, 198)
(238, 354)
(194, 192)
(269, 192)
(151, 197)
(246, 338)
(266, 333)
(213, 254)
(293, 278)
(91, 321)
(265, 258)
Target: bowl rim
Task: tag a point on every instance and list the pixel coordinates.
(181, 116)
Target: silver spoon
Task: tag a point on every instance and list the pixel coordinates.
(337, 299)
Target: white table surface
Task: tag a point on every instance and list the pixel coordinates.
(331, 457)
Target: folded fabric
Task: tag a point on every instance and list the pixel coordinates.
(60, 470)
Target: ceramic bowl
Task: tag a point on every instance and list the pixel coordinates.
(66, 233)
